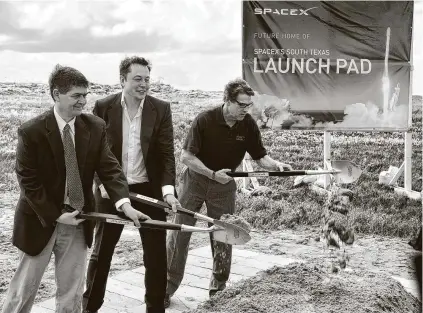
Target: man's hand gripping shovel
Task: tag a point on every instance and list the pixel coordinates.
(222, 231)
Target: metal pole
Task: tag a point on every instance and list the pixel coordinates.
(408, 142)
(407, 160)
(326, 156)
(385, 80)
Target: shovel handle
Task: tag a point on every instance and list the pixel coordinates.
(180, 227)
(150, 201)
(266, 174)
(160, 225)
(123, 220)
(152, 224)
(163, 205)
(283, 174)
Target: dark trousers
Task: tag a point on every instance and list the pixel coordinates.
(155, 263)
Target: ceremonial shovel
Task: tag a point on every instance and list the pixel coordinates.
(124, 220)
(228, 233)
(222, 231)
(344, 172)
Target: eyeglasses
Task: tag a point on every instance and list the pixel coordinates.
(244, 105)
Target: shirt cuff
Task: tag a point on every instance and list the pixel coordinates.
(119, 203)
(168, 189)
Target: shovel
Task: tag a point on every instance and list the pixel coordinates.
(117, 219)
(344, 172)
(229, 233)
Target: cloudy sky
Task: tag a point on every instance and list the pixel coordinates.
(191, 43)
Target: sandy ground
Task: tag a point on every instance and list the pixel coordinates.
(390, 256)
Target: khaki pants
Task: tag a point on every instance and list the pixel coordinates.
(70, 252)
(220, 199)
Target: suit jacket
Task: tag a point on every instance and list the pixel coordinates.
(40, 168)
(157, 142)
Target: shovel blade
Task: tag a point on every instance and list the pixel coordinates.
(231, 234)
(349, 171)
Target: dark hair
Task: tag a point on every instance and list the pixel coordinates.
(235, 87)
(125, 64)
(63, 78)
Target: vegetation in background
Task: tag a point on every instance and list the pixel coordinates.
(374, 209)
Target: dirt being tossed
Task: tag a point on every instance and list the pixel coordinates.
(236, 220)
(308, 288)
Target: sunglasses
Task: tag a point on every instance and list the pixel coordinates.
(244, 105)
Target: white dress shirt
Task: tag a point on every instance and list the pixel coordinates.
(61, 123)
(133, 164)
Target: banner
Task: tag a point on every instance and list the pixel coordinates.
(330, 65)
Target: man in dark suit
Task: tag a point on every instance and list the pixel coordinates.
(140, 134)
(57, 155)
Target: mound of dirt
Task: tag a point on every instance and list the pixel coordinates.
(309, 288)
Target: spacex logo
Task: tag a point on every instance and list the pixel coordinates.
(282, 11)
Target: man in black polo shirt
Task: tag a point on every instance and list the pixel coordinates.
(216, 143)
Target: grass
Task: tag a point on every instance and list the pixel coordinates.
(374, 209)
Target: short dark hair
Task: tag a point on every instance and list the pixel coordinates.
(63, 78)
(125, 64)
(235, 87)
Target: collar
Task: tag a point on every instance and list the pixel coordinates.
(62, 123)
(123, 103)
(221, 119)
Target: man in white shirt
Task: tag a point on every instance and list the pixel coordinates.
(57, 155)
(140, 134)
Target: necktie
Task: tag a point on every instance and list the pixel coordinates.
(75, 193)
